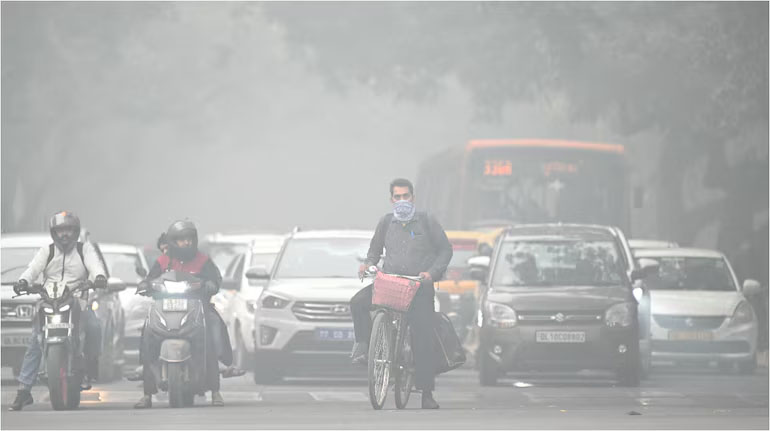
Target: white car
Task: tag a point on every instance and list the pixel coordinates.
(238, 296)
(644, 244)
(128, 263)
(303, 316)
(699, 311)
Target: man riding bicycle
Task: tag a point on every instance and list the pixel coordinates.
(416, 245)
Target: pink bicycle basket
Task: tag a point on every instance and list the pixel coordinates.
(394, 292)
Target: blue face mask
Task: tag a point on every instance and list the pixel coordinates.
(403, 211)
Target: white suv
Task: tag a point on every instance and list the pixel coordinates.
(303, 321)
(242, 294)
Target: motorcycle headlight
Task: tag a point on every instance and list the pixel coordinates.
(251, 306)
(66, 307)
(619, 315)
(271, 301)
(95, 305)
(56, 318)
(501, 316)
(48, 310)
(743, 314)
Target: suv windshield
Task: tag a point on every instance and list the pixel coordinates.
(124, 266)
(322, 258)
(692, 273)
(558, 263)
(15, 261)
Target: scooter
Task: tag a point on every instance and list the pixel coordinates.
(176, 321)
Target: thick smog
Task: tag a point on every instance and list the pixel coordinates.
(382, 215)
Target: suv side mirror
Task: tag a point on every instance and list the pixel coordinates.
(258, 272)
(479, 267)
(114, 284)
(141, 272)
(751, 288)
(646, 268)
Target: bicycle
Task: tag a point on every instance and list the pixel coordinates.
(390, 351)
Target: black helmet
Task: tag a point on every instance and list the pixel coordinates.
(178, 230)
(62, 220)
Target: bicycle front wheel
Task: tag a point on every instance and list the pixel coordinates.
(380, 357)
(405, 369)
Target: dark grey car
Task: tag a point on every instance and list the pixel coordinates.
(560, 297)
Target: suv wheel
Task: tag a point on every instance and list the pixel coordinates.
(488, 372)
(629, 372)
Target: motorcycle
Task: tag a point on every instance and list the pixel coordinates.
(176, 320)
(59, 315)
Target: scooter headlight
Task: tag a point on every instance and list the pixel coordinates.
(66, 307)
(48, 310)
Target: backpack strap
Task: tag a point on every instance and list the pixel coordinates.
(51, 251)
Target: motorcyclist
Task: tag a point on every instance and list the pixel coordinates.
(416, 244)
(227, 370)
(183, 255)
(64, 261)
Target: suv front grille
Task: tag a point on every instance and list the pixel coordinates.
(688, 322)
(322, 311)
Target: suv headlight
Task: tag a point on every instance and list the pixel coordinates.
(251, 306)
(619, 315)
(271, 301)
(743, 314)
(500, 315)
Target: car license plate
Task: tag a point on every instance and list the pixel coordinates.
(691, 335)
(174, 304)
(16, 340)
(560, 337)
(332, 334)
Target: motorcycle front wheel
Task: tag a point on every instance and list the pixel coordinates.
(63, 390)
(176, 384)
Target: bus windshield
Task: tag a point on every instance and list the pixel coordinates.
(526, 185)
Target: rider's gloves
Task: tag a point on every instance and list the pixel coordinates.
(100, 282)
(210, 287)
(20, 286)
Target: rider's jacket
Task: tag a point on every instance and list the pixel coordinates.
(200, 266)
(66, 268)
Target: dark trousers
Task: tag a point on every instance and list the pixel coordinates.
(420, 318)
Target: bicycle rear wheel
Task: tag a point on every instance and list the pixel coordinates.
(404, 369)
(380, 356)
